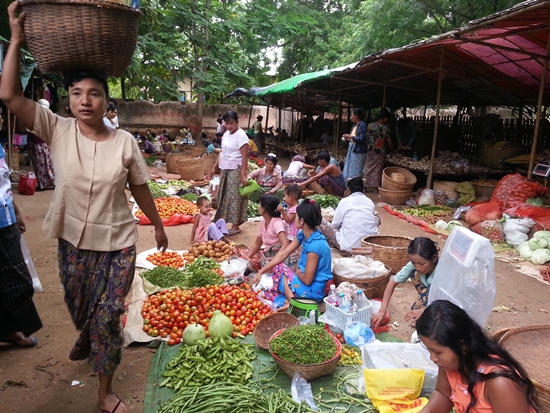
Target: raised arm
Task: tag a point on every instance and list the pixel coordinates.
(10, 85)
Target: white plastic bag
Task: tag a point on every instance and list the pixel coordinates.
(236, 266)
(301, 391)
(516, 230)
(30, 265)
(358, 266)
(465, 274)
(427, 197)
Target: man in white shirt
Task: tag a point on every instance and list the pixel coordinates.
(354, 219)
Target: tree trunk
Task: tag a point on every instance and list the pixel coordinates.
(122, 88)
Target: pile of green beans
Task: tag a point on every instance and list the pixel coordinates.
(231, 398)
(307, 344)
(210, 361)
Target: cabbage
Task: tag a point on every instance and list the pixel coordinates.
(524, 250)
(542, 234)
(540, 256)
(220, 325)
(192, 333)
(535, 245)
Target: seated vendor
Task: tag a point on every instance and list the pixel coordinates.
(272, 232)
(269, 179)
(297, 170)
(330, 177)
(314, 267)
(423, 256)
(354, 219)
(253, 151)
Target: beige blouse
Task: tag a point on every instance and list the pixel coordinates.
(89, 207)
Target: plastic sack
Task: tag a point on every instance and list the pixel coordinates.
(471, 284)
(483, 212)
(378, 355)
(440, 197)
(395, 390)
(251, 187)
(27, 184)
(492, 230)
(176, 219)
(237, 266)
(301, 391)
(358, 266)
(427, 197)
(540, 215)
(516, 230)
(357, 334)
(37, 285)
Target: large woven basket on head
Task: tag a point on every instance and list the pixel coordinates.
(393, 197)
(372, 287)
(448, 187)
(397, 179)
(529, 346)
(191, 169)
(309, 371)
(65, 35)
(270, 325)
(390, 249)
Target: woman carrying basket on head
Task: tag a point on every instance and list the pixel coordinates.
(423, 256)
(89, 212)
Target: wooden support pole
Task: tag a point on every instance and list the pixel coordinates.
(539, 111)
(250, 114)
(436, 126)
(337, 135)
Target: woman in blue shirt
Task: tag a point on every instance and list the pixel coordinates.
(314, 266)
(18, 316)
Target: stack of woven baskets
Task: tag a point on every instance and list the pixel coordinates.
(397, 185)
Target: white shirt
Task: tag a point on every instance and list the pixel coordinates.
(231, 157)
(115, 122)
(356, 217)
(108, 122)
(294, 168)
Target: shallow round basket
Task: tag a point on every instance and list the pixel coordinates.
(529, 346)
(393, 197)
(270, 325)
(309, 371)
(448, 187)
(406, 179)
(65, 35)
(390, 249)
(372, 287)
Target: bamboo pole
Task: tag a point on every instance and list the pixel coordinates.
(338, 127)
(539, 111)
(250, 114)
(436, 126)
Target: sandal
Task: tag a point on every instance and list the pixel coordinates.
(233, 232)
(30, 341)
(116, 407)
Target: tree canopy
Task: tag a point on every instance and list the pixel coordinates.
(223, 44)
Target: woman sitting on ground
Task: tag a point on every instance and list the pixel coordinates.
(476, 375)
(272, 233)
(423, 256)
(314, 267)
(269, 178)
(297, 170)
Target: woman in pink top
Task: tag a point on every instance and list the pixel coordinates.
(272, 233)
(476, 375)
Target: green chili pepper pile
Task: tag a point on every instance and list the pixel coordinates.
(210, 361)
(165, 277)
(200, 274)
(229, 397)
(304, 345)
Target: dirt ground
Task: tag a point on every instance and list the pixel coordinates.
(40, 379)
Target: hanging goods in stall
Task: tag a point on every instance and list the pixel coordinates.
(465, 274)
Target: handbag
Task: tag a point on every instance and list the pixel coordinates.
(250, 188)
(27, 184)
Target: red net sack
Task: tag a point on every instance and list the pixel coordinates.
(540, 215)
(514, 189)
(492, 230)
(484, 212)
(27, 184)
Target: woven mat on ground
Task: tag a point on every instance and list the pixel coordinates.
(155, 395)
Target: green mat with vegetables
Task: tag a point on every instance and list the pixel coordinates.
(269, 387)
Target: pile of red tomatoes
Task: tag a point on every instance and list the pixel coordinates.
(167, 313)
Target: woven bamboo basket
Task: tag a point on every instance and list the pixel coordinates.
(497, 156)
(270, 325)
(66, 35)
(309, 371)
(208, 162)
(372, 287)
(394, 197)
(191, 169)
(448, 187)
(390, 249)
(172, 162)
(529, 346)
(484, 188)
(405, 179)
(191, 150)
